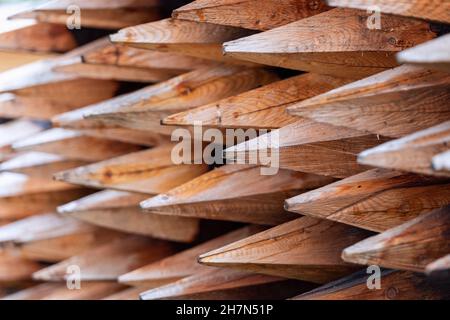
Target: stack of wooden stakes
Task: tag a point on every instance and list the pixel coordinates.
(90, 194)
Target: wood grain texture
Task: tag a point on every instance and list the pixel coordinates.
(38, 164)
(53, 250)
(237, 13)
(74, 145)
(184, 263)
(345, 48)
(120, 211)
(200, 40)
(22, 196)
(395, 285)
(413, 153)
(44, 226)
(29, 35)
(262, 108)
(126, 56)
(119, 73)
(438, 10)
(16, 130)
(410, 246)
(307, 146)
(224, 284)
(150, 171)
(305, 249)
(118, 257)
(33, 36)
(433, 54)
(394, 207)
(144, 109)
(229, 193)
(393, 103)
(326, 201)
(96, 14)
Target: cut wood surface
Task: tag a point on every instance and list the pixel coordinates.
(127, 294)
(150, 171)
(307, 146)
(22, 196)
(59, 291)
(305, 249)
(395, 285)
(15, 59)
(439, 269)
(224, 284)
(74, 145)
(410, 246)
(144, 109)
(44, 226)
(358, 52)
(326, 201)
(197, 39)
(120, 210)
(237, 13)
(119, 73)
(229, 193)
(441, 162)
(394, 103)
(29, 35)
(434, 54)
(95, 14)
(16, 130)
(39, 164)
(56, 249)
(375, 200)
(184, 263)
(391, 208)
(262, 108)
(438, 10)
(118, 257)
(126, 56)
(413, 153)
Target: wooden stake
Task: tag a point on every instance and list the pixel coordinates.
(439, 269)
(95, 14)
(74, 145)
(151, 171)
(395, 285)
(201, 40)
(22, 196)
(375, 200)
(307, 146)
(413, 153)
(269, 14)
(410, 246)
(224, 284)
(182, 264)
(437, 10)
(434, 54)
(305, 249)
(229, 193)
(109, 261)
(15, 268)
(39, 164)
(144, 109)
(358, 52)
(393, 103)
(120, 211)
(262, 108)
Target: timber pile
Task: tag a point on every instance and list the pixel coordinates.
(89, 190)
